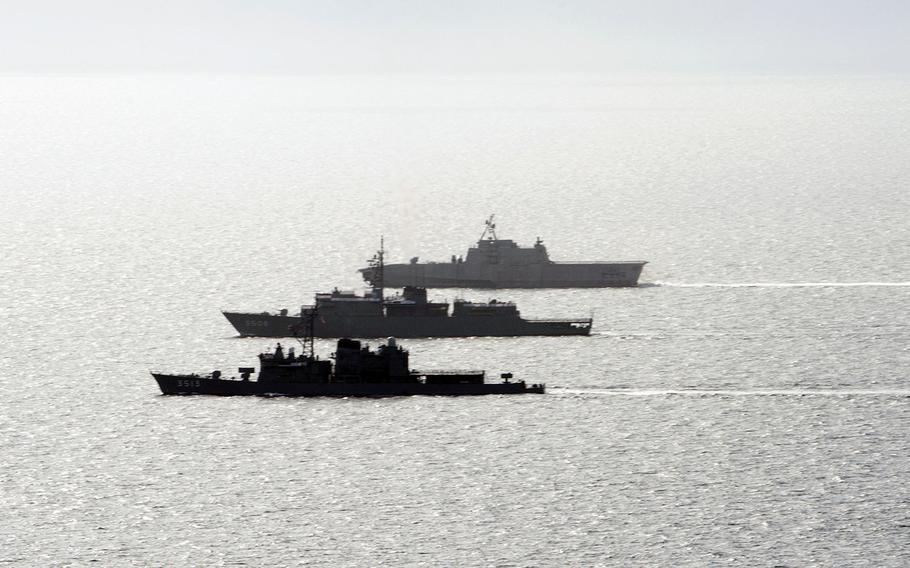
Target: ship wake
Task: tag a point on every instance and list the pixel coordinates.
(781, 284)
(625, 391)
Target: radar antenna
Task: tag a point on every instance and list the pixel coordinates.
(489, 228)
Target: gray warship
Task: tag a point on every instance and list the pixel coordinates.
(501, 263)
(347, 314)
(358, 371)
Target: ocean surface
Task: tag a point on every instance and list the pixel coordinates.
(748, 405)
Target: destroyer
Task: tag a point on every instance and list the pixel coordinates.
(501, 263)
(345, 314)
(358, 371)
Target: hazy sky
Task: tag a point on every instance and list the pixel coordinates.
(454, 37)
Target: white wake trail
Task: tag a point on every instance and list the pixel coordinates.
(730, 392)
(782, 284)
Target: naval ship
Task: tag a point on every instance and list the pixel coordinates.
(347, 314)
(358, 371)
(501, 263)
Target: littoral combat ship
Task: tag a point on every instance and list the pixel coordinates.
(346, 314)
(501, 263)
(358, 371)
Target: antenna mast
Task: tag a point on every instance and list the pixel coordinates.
(308, 325)
(377, 263)
(490, 227)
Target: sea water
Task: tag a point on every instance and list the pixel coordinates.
(747, 405)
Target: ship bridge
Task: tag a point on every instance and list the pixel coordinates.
(506, 251)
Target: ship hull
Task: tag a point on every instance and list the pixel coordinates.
(542, 275)
(270, 325)
(190, 384)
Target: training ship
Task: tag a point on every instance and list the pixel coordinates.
(358, 371)
(347, 314)
(501, 263)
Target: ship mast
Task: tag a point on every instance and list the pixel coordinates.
(377, 263)
(490, 227)
(308, 324)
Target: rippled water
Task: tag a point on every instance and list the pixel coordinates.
(748, 405)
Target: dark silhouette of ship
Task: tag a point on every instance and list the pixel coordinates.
(358, 371)
(501, 263)
(346, 314)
